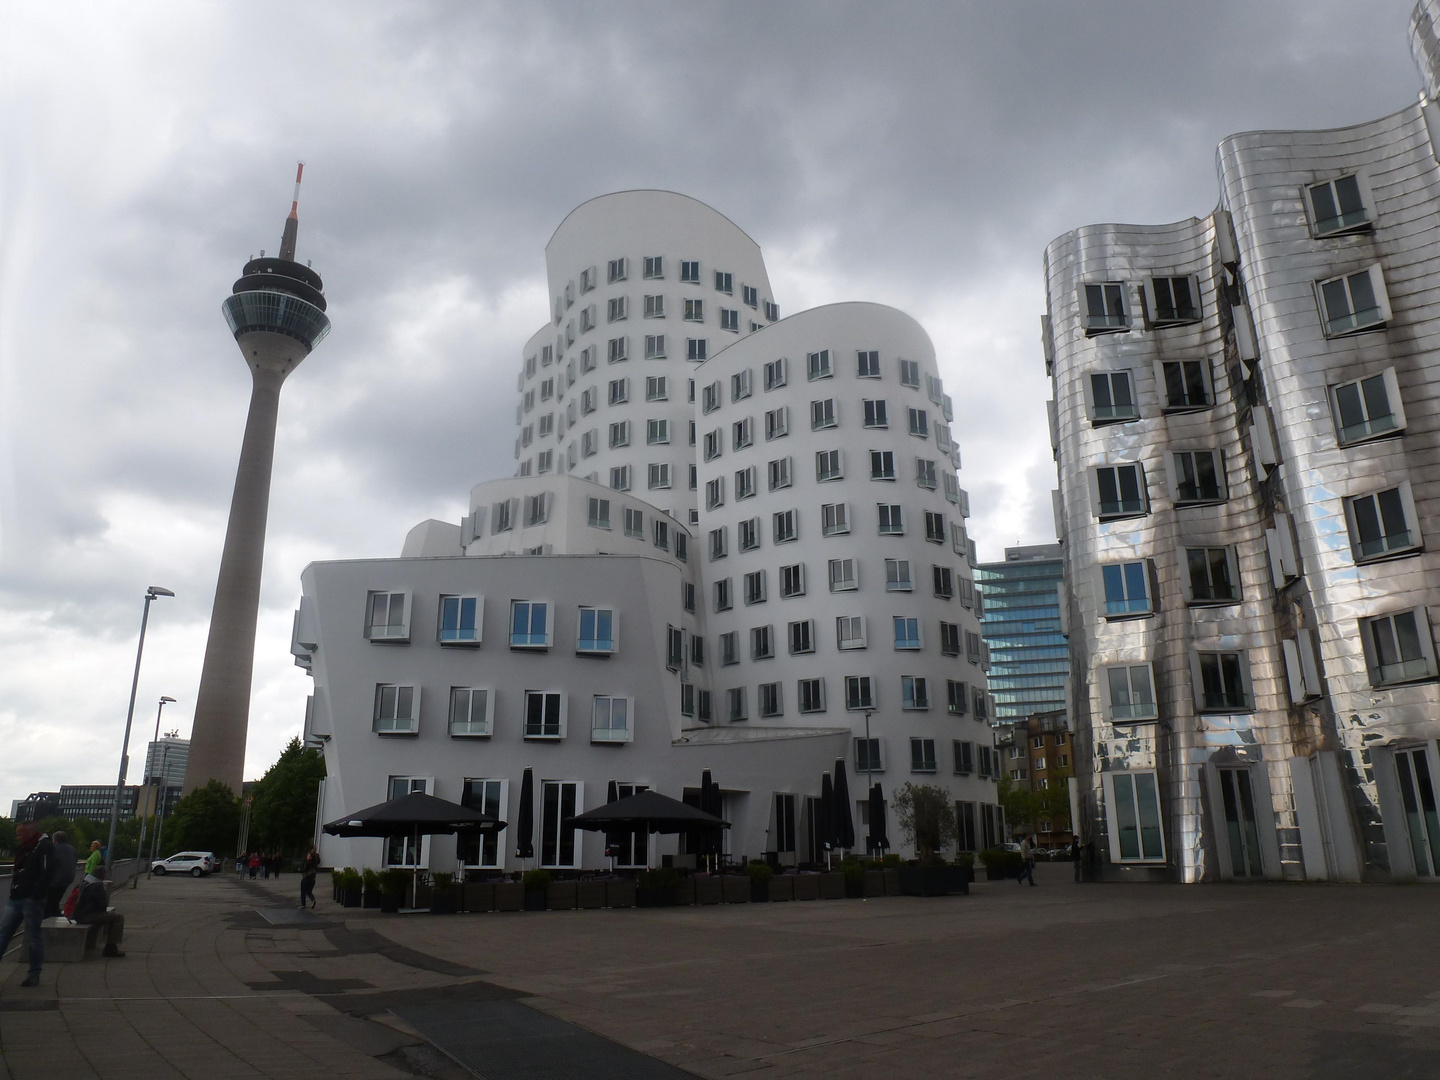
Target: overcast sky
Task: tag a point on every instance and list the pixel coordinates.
(916, 154)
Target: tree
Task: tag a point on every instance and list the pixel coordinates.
(926, 817)
(1020, 804)
(208, 819)
(1053, 804)
(7, 835)
(282, 809)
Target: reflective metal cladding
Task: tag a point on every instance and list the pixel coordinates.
(1247, 434)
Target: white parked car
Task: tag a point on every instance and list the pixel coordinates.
(194, 863)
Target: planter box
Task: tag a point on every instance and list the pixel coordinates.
(652, 897)
(371, 899)
(620, 893)
(708, 890)
(561, 895)
(854, 887)
(534, 899)
(442, 902)
(509, 896)
(759, 889)
(351, 898)
(735, 888)
(806, 886)
(999, 873)
(590, 894)
(874, 883)
(782, 887)
(685, 891)
(389, 903)
(892, 881)
(479, 896)
(832, 886)
(923, 880)
(422, 895)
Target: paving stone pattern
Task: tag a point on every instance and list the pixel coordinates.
(1275, 981)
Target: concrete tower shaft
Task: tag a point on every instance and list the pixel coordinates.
(277, 314)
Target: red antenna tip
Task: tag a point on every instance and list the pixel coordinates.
(295, 203)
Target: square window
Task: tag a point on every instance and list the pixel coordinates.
(897, 575)
(779, 471)
(876, 415)
(882, 465)
(730, 320)
(944, 580)
(834, 519)
(724, 282)
(802, 637)
(747, 534)
(842, 575)
(755, 587)
(925, 474)
(784, 527)
(718, 543)
(1130, 693)
(827, 466)
(713, 444)
(949, 639)
(710, 398)
(722, 595)
(745, 483)
(777, 423)
(859, 692)
(1399, 647)
(957, 696)
(922, 755)
(867, 364)
(619, 269)
(1198, 476)
(543, 715)
(690, 272)
(620, 478)
(618, 309)
(619, 350)
(867, 754)
(694, 311)
(657, 388)
(654, 346)
(761, 645)
(817, 364)
(596, 631)
(964, 757)
(1382, 523)
(696, 349)
(1119, 491)
(850, 632)
(1173, 301)
(1339, 206)
(1212, 575)
(1353, 302)
(461, 620)
(1222, 682)
(715, 493)
(657, 432)
(729, 648)
(599, 513)
(736, 708)
(812, 695)
(610, 719)
(1367, 408)
(770, 700)
(822, 414)
(910, 374)
(620, 434)
(1103, 307)
(1187, 385)
(775, 374)
(892, 520)
(907, 632)
(919, 422)
(397, 710)
(1112, 397)
(750, 295)
(634, 522)
(742, 433)
(387, 611)
(654, 266)
(740, 385)
(1126, 588)
(934, 527)
(470, 711)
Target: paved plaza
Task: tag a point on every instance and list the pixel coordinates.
(1062, 980)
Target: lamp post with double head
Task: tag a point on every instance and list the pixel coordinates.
(150, 594)
(160, 787)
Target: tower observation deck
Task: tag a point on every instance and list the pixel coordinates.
(276, 311)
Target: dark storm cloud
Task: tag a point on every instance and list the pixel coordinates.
(917, 154)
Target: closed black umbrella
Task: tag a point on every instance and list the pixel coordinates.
(525, 826)
(844, 819)
(877, 841)
(825, 816)
(707, 842)
(612, 839)
(647, 810)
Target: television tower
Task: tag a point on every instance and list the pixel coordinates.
(277, 313)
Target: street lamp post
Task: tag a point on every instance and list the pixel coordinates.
(145, 818)
(150, 594)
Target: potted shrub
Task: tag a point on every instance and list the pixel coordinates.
(350, 887)
(442, 893)
(962, 870)
(656, 888)
(1000, 864)
(371, 882)
(509, 895)
(760, 875)
(853, 871)
(394, 883)
(537, 885)
(336, 873)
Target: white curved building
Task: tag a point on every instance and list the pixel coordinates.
(581, 622)
(1246, 451)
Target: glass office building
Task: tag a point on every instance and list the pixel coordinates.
(1029, 658)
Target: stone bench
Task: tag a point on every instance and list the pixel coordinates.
(65, 942)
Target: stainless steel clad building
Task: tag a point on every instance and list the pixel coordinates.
(1247, 434)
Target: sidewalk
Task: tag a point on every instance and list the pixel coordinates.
(1273, 981)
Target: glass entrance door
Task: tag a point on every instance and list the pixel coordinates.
(1240, 826)
(483, 850)
(630, 848)
(1417, 792)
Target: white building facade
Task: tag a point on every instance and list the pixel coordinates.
(1247, 443)
(607, 616)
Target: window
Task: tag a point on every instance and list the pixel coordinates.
(772, 311)
(1187, 385)
(1339, 206)
(925, 473)
(687, 594)
(619, 350)
(867, 755)
(387, 612)
(546, 425)
(1213, 576)
(696, 348)
(620, 477)
(1112, 397)
(715, 493)
(610, 719)
(770, 700)
(660, 534)
(742, 433)
(536, 509)
(972, 647)
(587, 400)
(547, 391)
(980, 703)
(802, 637)
(1367, 408)
(543, 715)
(1173, 300)
(460, 620)
(745, 483)
(730, 320)
(740, 385)
(674, 648)
(822, 414)
(859, 692)
(882, 465)
(755, 587)
(1119, 491)
(702, 705)
(989, 764)
(529, 625)
(1131, 693)
(964, 757)
(750, 295)
(1199, 476)
(735, 702)
(907, 632)
(619, 269)
(690, 272)
(934, 527)
(587, 279)
(1126, 589)
(949, 639)
(714, 446)
(944, 581)
(817, 364)
(634, 522)
(811, 693)
(897, 575)
(659, 476)
(596, 631)
(777, 422)
(618, 309)
(747, 534)
(1398, 647)
(697, 643)
(1104, 307)
(657, 388)
(779, 470)
(956, 697)
(470, 710)
(710, 398)
(784, 526)
(1223, 682)
(694, 311)
(1133, 799)
(500, 514)
(922, 755)
(910, 374)
(850, 632)
(834, 519)
(599, 513)
(730, 648)
(587, 359)
(1382, 523)
(396, 710)
(655, 347)
(619, 391)
(718, 544)
(657, 432)
(775, 374)
(653, 266)
(827, 466)
(842, 575)
(723, 282)
(876, 415)
(919, 422)
(1354, 302)
(868, 364)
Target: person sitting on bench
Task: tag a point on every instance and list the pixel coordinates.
(92, 910)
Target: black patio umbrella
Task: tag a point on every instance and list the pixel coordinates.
(825, 816)
(844, 819)
(647, 810)
(525, 826)
(612, 837)
(707, 841)
(877, 840)
(414, 815)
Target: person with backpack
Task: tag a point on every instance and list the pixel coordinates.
(93, 909)
(29, 888)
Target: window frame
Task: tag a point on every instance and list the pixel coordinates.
(1367, 201)
(1123, 510)
(1412, 522)
(412, 720)
(1394, 400)
(531, 606)
(477, 629)
(1219, 466)
(595, 730)
(1232, 567)
(542, 735)
(1162, 383)
(1426, 671)
(1097, 412)
(1107, 322)
(486, 723)
(1129, 611)
(1381, 295)
(1198, 655)
(1113, 816)
(1132, 712)
(925, 761)
(1152, 305)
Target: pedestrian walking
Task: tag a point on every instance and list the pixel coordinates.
(308, 870)
(254, 864)
(93, 909)
(1075, 854)
(241, 862)
(65, 859)
(95, 858)
(29, 885)
(275, 860)
(1027, 862)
